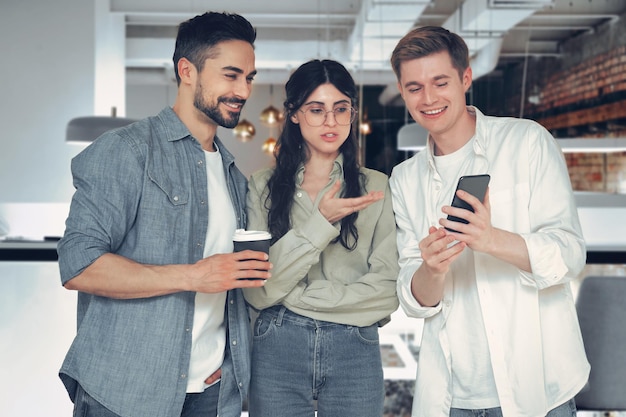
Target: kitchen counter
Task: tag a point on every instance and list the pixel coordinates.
(46, 250)
(28, 250)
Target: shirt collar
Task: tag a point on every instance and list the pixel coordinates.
(336, 172)
(480, 142)
(175, 129)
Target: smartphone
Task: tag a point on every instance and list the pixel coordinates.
(476, 185)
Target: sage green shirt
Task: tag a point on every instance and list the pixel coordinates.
(322, 280)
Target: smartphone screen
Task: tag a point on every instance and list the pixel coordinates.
(476, 185)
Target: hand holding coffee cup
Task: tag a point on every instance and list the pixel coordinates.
(255, 240)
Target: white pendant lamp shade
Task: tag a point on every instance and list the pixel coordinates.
(412, 137)
(87, 129)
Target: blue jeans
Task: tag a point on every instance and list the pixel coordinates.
(196, 405)
(567, 409)
(297, 361)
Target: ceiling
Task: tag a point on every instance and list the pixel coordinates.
(362, 34)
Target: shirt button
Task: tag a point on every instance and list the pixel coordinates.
(299, 194)
(232, 301)
(175, 198)
(234, 342)
(240, 384)
(200, 162)
(202, 203)
(183, 376)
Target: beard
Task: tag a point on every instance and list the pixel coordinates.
(212, 111)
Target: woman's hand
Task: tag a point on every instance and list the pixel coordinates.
(335, 208)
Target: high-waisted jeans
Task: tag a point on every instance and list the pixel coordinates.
(298, 361)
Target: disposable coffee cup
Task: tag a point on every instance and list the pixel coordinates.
(256, 240)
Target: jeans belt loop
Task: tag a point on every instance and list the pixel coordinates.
(281, 313)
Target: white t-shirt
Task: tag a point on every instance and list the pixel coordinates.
(209, 333)
(473, 385)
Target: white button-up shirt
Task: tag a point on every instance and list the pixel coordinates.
(536, 350)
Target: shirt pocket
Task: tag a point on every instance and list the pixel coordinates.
(165, 209)
(509, 207)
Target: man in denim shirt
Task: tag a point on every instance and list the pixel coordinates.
(163, 328)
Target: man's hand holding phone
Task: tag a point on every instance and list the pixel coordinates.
(470, 225)
(470, 192)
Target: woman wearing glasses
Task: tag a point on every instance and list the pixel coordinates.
(334, 259)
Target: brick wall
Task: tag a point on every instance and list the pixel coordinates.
(581, 94)
(597, 172)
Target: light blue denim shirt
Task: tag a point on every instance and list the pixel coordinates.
(141, 192)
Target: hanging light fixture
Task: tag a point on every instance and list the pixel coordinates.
(271, 116)
(269, 145)
(412, 137)
(244, 131)
(87, 129)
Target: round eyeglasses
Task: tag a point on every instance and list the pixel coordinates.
(316, 116)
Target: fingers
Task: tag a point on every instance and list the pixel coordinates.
(250, 254)
(335, 208)
(214, 377)
(437, 251)
(355, 204)
(222, 272)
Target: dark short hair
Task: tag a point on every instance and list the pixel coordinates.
(197, 36)
(428, 40)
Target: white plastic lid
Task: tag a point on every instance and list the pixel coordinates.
(242, 235)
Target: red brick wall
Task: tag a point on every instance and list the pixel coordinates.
(597, 172)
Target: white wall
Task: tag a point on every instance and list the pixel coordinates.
(47, 75)
(47, 78)
(147, 99)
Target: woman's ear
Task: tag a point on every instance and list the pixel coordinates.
(294, 119)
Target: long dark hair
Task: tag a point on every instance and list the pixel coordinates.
(291, 150)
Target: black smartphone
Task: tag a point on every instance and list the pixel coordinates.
(476, 185)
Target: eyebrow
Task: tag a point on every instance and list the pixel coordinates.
(238, 70)
(321, 103)
(436, 78)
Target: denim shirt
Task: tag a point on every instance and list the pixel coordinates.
(141, 192)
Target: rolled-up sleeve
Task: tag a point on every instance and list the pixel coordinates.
(556, 247)
(103, 206)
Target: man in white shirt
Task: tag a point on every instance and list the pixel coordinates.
(501, 336)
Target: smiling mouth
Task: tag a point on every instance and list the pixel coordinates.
(434, 112)
(233, 106)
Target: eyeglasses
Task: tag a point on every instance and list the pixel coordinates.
(316, 116)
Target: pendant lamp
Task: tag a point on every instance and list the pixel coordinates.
(271, 116)
(269, 145)
(412, 137)
(244, 131)
(87, 129)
